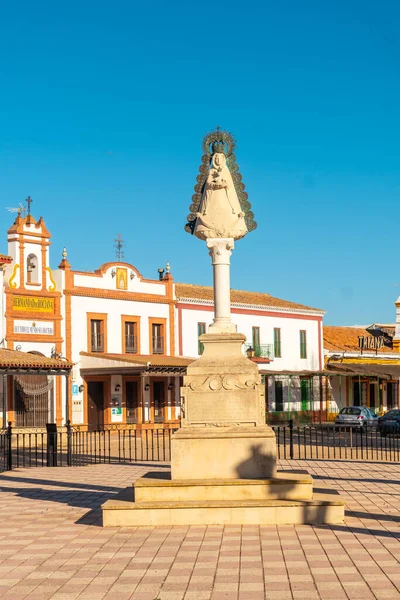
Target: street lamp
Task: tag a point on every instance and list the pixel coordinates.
(250, 352)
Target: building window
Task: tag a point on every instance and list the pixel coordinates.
(303, 343)
(157, 338)
(255, 338)
(131, 338)
(201, 328)
(278, 396)
(96, 335)
(277, 343)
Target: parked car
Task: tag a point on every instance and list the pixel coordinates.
(390, 422)
(356, 416)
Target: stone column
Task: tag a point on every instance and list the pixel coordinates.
(220, 252)
(396, 339)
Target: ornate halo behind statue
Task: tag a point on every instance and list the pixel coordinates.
(223, 142)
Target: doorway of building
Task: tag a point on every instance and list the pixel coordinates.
(360, 393)
(279, 396)
(158, 401)
(305, 394)
(132, 401)
(96, 404)
(392, 395)
(373, 396)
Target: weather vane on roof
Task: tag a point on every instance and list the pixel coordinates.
(20, 209)
(119, 243)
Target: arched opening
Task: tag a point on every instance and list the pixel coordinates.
(32, 275)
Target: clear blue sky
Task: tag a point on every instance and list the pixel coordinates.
(103, 106)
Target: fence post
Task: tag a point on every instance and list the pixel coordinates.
(291, 452)
(51, 429)
(69, 444)
(9, 449)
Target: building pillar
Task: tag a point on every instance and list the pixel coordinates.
(169, 397)
(4, 407)
(146, 399)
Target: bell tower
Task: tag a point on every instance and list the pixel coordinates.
(33, 303)
(28, 245)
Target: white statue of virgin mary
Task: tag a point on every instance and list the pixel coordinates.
(220, 213)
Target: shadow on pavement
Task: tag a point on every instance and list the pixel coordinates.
(359, 479)
(73, 498)
(63, 484)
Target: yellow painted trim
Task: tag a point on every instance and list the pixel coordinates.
(11, 281)
(366, 361)
(396, 345)
(53, 287)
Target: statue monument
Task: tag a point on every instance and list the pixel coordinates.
(223, 458)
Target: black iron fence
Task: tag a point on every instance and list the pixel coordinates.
(71, 446)
(330, 442)
(74, 447)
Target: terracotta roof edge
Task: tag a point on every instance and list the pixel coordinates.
(277, 308)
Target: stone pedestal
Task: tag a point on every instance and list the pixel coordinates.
(213, 453)
(223, 430)
(223, 459)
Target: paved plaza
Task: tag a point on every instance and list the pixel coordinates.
(52, 544)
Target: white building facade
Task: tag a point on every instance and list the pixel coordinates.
(286, 339)
(131, 338)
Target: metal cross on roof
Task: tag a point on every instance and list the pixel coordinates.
(29, 201)
(119, 244)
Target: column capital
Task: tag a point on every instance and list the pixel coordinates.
(220, 250)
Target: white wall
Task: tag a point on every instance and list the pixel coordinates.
(81, 305)
(291, 388)
(107, 282)
(45, 347)
(290, 336)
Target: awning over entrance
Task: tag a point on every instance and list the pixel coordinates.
(298, 373)
(15, 362)
(97, 364)
(383, 371)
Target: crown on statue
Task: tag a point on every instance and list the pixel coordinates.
(218, 146)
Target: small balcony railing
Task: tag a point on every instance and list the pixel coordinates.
(158, 345)
(97, 342)
(262, 350)
(131, 346)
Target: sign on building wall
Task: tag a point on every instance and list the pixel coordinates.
(369, 342)
(122, 279)
(30, 304)
(77, 411)
(29, 327)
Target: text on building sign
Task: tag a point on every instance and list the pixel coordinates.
(27, 303)
(369, 342)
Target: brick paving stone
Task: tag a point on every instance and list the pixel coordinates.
(52, 546)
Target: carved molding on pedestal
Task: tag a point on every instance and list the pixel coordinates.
(218, 382)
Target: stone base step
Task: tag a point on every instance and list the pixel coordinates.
(123, 512)
(156, 486)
